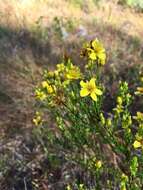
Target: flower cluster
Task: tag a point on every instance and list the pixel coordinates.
(94, 51)
(52, 89)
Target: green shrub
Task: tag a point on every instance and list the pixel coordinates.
(108, 146)
(137, 4)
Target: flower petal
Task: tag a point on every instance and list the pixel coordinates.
(94, 43)
(102, 57)
(93, 96)
(84, 92)
(83, 84)
(137, 144)
(92, 82)
(98, 91)
(93, 56)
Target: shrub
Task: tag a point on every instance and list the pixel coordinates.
(108, 146)
(136, 4)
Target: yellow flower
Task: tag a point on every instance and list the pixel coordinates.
(50, 89)
(119, 100)
(139, 91)
(60, 67)
(38, 119)
(73, 73)
(98, 164)
(94, 51)
(138, 143)
(124, 180)
(90, 88)
(118, 109)
(68, 187)
(98, 51)
(50, 74)
(56, 73)
(139, 116)
(40, 94)
(124, 177)
(109, 122)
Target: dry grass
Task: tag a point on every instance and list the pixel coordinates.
(24, 14)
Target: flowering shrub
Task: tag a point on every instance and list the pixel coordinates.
(108, 146)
